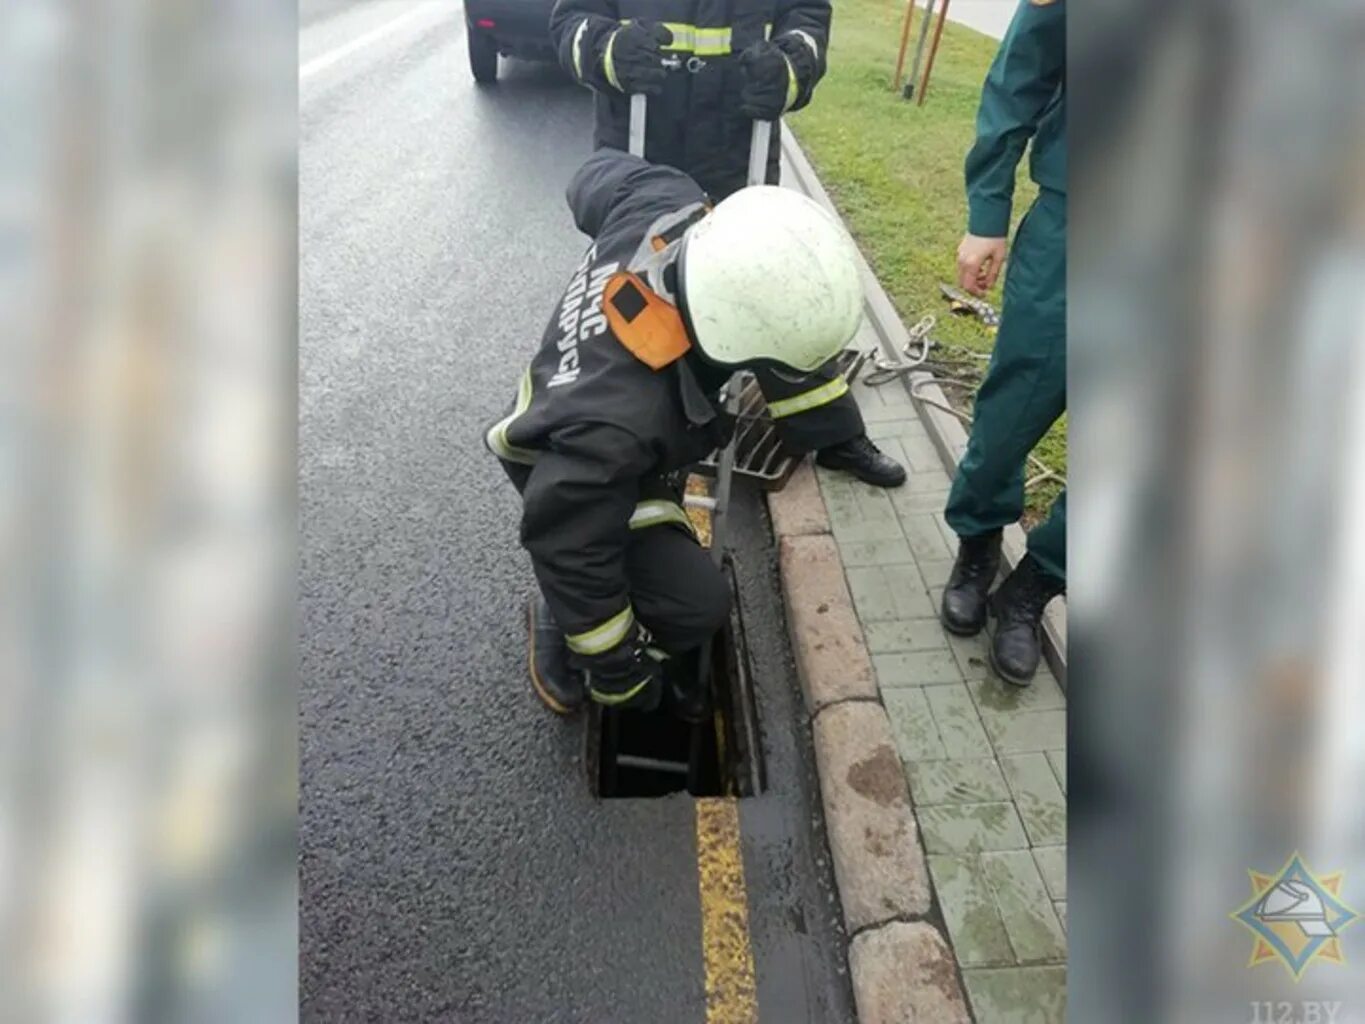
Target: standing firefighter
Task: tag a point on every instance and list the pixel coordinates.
(711, 67)
(1024, 392)
(671, 298)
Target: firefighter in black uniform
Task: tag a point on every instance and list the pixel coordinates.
(671, 297)
(710, 68)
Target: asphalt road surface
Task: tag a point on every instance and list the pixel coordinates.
(453, 865)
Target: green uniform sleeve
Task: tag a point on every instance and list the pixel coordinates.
(1028, 69)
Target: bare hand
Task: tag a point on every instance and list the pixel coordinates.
(978, 262)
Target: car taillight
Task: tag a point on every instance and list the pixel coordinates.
(486, 23)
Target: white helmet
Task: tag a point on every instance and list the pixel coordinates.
(769, 275)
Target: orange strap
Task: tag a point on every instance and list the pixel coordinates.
(648, 326)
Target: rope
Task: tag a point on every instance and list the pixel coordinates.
(914, 356)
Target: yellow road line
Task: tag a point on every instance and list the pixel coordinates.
(731, 995)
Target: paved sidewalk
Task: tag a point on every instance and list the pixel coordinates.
(985, 761)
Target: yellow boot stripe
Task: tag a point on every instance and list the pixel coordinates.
(612, 699)
(604, 637)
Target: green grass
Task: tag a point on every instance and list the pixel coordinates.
(894, 170)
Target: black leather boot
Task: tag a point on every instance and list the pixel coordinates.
(684, 695)
(963, 611)
(558, 684)
(864, 460)
(1018, 607)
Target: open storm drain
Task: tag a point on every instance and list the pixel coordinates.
(633, 755)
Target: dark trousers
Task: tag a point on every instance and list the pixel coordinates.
(677, 592)
(811, 411)
(1024, 392)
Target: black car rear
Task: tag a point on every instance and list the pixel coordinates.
(510, 28)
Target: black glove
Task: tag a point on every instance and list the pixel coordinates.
(769, 86)
(627, 676)
(632, 59)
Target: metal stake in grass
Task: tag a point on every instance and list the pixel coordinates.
(905, 40)
(929, 5)
(933, 51)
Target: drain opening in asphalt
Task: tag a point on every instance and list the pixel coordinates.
(633, 755)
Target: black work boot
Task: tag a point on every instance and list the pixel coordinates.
(864, 460)
(684, 695)
(963, 611)
(1018, 607)
(557, 683)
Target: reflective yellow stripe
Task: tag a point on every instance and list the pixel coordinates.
(653, 513)
(704, 42)
(793, 86)
(807, 400)
(578, 49)
(713, 42)
(618, 698)
(496, 438)
(604, 637)
(607, 65)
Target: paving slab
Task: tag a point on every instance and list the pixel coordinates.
(900, 635)
(1057, 758)
(915, 500)
(1021, 897)
(959, 726)
(970, 828)
(1039, 797)
(974, 781)
(1051, 861)
(1022, 731)
(973, 661)
(912, 724)
(969, 910)
(916, 668)
(882, 593)
(935, 572)
(1017, 995)
(925, 538)
(993, 695)
(888, 551)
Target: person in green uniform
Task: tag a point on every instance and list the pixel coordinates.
(1024, 392)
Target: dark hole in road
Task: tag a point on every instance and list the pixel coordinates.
(631, 755)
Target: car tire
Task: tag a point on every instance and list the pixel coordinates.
(483, 57)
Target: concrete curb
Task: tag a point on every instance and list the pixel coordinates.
(905, 972)
(945, 430)
(831, 654)
(900, 965)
